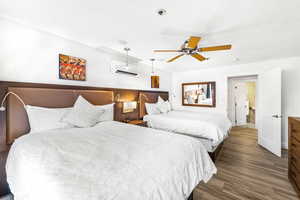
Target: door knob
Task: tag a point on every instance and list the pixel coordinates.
(277, 116)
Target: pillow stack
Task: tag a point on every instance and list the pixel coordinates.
(83, 114)
(160, 107)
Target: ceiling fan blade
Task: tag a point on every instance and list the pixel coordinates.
(199, 57)
(172, 59)
(193, 42)
(215, 48)
(167, 50)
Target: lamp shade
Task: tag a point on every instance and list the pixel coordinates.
(154, 78)
(129, 106)
(154, 81)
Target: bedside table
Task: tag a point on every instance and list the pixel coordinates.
(7, 197)
(138, 123)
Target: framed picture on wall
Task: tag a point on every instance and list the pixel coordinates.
(201, 94)
(72, 68)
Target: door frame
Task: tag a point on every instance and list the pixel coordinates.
(245, 78)
(258, 109)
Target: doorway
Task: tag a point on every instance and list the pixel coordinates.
(266, 110)
(242, 97)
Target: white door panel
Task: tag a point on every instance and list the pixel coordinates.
(269, 107)
(240, 96)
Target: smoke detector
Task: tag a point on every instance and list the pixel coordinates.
(161, 12)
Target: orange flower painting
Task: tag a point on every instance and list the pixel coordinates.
(72, 68)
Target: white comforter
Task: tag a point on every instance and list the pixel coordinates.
(112, 161)
(211, 126)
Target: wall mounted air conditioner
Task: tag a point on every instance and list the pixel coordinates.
(126, 72)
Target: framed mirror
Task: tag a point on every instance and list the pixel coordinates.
(201, 94)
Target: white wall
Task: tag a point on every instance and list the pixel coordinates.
(30, 55)
(290, 90)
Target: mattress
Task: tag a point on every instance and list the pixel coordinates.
(211, 126)
(111, 161)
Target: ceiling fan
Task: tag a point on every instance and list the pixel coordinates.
(190, 47)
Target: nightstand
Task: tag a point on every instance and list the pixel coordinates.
(138, 123)
(7, 197)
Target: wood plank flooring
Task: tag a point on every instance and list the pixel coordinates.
(247, 171)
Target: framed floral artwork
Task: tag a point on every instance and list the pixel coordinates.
(72, 68)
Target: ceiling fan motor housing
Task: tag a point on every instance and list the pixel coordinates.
(188, 51)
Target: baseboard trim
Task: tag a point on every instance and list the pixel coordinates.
(284, 145)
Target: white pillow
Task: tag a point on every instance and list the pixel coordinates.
(152, 108)
(83, 114)
(160, 100)
(162, 107)
(43, 119)
(108, 114)
(169, 106)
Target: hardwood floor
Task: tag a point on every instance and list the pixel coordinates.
(247, 171)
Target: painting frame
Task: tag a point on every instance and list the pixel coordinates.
(71, 68)
(212, 89)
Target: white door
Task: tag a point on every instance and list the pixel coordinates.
(240, 103)
(269, 102)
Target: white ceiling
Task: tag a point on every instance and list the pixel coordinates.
(257, 29)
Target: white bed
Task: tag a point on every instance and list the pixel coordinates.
(208, 144)
(111, 161)
(209, 128)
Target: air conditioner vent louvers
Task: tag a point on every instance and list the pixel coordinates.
(126, 72)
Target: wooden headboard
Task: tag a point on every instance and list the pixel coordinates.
(150, 97)
(17, 120)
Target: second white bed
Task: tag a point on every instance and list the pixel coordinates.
(210, 128)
